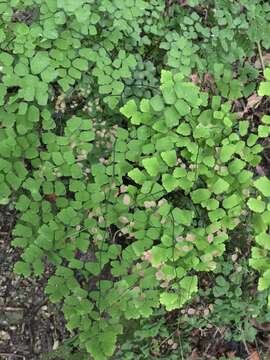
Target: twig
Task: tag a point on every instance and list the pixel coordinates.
(260, 55)
(9, 308)
(115, 234)
(168, 337)
(210, 344)
(245, 343)
(12, 355)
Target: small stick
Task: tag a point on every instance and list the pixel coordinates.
(11, 355)
(209, 345)
(10, 308)
(260, 54)
(245, 344)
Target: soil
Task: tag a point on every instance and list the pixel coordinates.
(29, 324)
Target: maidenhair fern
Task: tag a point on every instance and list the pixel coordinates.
(258, 203)
(123, 154)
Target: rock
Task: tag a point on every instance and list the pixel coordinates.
(11, 317)
(4, 337)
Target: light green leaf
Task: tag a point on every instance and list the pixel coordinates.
(264, 88)
(190, 283)
(226, 152)
(169, 182)
(129, 108)
(243, 127)
(39, 62)
(171, 301)
(220, 186)
(169, 95)
(22, 268)
(169, 157)
(70, 5)
(80, 64)
(183, 217)
(171, 117)
(137, 175)
(200, 195)
(182, 107)
(231, 201)
(266, 119)
(256, 205)
(263, 185)
(263, 239)
(57, 158)
(152, 166)
(266, 73)
(184, 129)
(264, 281)
(157, 103)
(159, 254)
(236, 166)
(93, 267)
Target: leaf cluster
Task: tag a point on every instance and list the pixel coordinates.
(129, 170)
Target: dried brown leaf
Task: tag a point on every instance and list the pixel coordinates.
(264, 326)
(50, 197)
(266, 61)
(209, 82)
(231, 354)
(252, 102)
(195, 79)
(261, 172)
(255, 356)
(194, 355)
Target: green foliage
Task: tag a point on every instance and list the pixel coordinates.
(265, 85)
(66, 351)
(232, 303)
(261, 221)
(226, 302)
(127, 173)
(147, 339)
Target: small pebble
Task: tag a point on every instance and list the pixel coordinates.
(4, 336)
(191, 311)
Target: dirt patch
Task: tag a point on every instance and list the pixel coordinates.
(29, 324)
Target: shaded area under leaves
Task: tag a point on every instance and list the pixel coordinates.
(29, 326)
